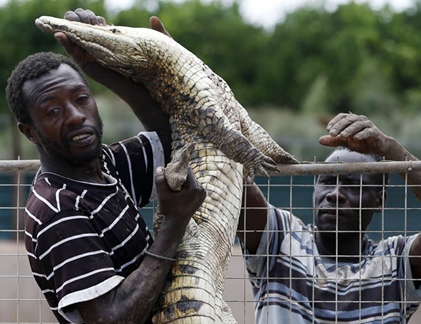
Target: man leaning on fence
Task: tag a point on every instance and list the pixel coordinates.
(331, 272)
(90, 251)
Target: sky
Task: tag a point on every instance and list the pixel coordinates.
(272, 11)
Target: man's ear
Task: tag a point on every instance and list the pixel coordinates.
(28, 131)
(381, 199)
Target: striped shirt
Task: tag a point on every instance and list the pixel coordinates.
(84, 238)
(292, 283)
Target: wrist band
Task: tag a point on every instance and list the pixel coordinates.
(159, 257)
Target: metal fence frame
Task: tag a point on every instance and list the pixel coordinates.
(22, 302)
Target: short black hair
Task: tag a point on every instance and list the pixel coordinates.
(32, 67)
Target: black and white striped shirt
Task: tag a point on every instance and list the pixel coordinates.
(84, 238)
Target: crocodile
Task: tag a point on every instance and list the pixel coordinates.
(227, 146)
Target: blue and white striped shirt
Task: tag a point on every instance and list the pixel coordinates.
(292, 283)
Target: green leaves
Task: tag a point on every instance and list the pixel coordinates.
(353, 58)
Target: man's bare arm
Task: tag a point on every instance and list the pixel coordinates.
(133, 300)
(253, 217)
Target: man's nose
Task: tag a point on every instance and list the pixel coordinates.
(336, 194)
(74, 115)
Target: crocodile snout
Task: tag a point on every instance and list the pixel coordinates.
(46, 28)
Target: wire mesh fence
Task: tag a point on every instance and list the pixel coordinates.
(291, 190)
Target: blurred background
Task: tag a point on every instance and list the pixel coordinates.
(292, 64)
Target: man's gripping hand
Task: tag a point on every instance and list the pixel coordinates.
(77, 53)
(356, 132)
(179, 206)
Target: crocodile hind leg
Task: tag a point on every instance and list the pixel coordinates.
(262, 140)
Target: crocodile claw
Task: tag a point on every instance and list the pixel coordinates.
(261, 164)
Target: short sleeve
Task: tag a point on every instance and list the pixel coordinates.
(269, 244)
(74, 261)
(412, 293)
(134, 161)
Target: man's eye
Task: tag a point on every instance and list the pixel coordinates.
(354, 186)
(328, 181)
(52, 111)
(82, 98)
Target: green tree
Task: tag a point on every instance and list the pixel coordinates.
(402, 51)
(217, 34)
(354, 58)
(20, 38)
(312, 43)
(294, 57)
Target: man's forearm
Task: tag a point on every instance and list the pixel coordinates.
(133, 300)
(397, 152)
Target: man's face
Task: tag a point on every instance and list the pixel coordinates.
(65, 122)
(346, 202)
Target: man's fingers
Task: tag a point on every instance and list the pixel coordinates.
(101, 20)
(84, 16)
(348, 125)
(344, 127)
(335, 120)
(64, 41)
(71, 15)
(328, 140)
(157, 25)
(347, 130)
(159, 173)
(366, 133)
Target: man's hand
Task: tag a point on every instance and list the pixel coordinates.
(78, 54)
(133, 300)
(179, 206)
(357, 133)
(157, 25)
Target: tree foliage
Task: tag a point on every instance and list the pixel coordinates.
(20, 37)
(354, 58)
(217, 34)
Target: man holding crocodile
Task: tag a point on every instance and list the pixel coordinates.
(125, 292)
(202, 110)
(331, 272)
(89, 249)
